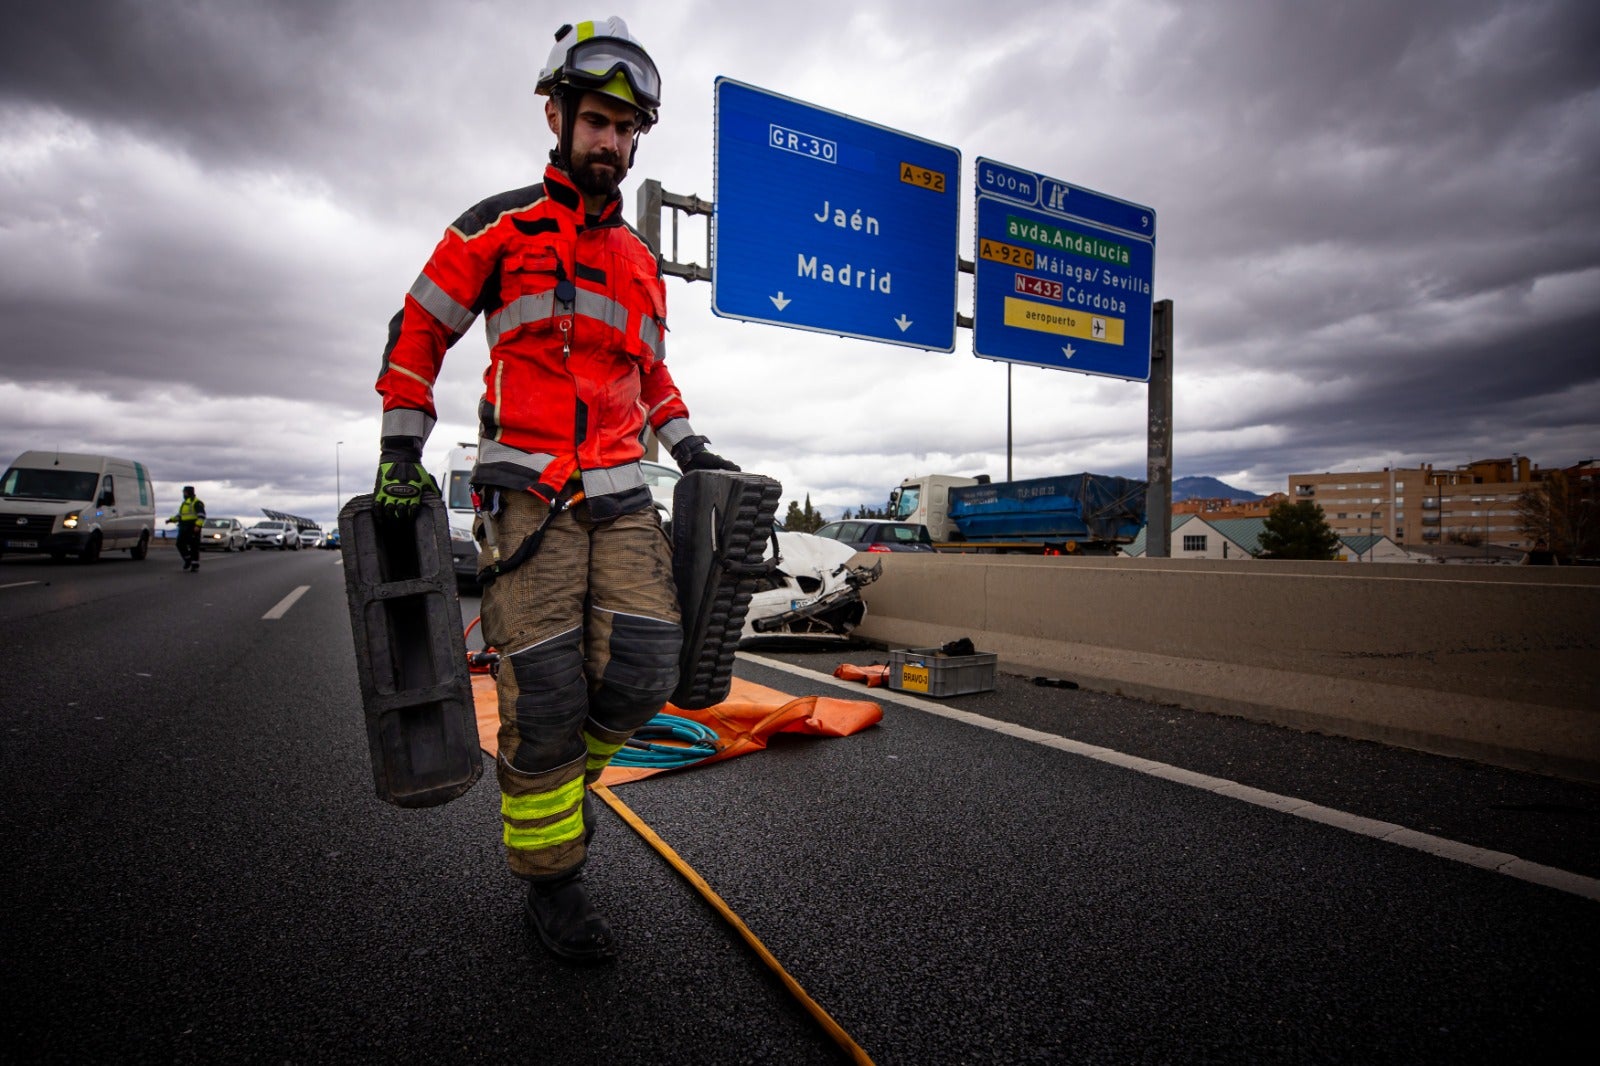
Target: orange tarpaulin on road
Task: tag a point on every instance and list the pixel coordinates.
(874, 676)
(743, 721)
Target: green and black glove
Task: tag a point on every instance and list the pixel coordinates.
(402, 480)
(691, 453)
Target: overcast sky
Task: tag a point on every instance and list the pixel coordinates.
(1379, 224)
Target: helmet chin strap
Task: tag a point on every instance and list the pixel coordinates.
(562, 154)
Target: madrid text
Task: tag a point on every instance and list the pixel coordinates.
(846, 274)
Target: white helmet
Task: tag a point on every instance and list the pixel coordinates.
(602, 56)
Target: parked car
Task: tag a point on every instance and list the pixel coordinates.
(223, 534)
(272, 533)
(310, 538)
(868, 535)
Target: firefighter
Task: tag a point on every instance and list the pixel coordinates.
(191, 517)
(578, 593)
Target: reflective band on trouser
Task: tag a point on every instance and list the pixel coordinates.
(538, 822)
(602, 743)
(543, 820)
(441, 305)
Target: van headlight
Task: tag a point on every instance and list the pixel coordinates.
(71, 521)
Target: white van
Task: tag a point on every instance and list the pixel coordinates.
(457, 486)
(64, 503)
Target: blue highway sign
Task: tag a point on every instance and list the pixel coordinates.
(1063, 275)
(828, 223)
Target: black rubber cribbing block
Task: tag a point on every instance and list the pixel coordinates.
(411, 655)
(721, 522)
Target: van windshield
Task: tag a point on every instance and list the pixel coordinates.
(49, 484)
(460, 490)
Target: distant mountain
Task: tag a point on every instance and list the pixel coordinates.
(1209, 488)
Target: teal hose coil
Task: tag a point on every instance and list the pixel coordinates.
(698, 741)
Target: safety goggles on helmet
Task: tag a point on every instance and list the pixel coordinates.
(597, 63)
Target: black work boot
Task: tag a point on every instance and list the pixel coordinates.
(561, 915)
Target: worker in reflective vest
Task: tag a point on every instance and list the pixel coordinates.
(579, 597)
(190, 517)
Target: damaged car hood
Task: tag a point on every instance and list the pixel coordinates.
(813, 591)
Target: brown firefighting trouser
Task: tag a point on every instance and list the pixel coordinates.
(589, 636)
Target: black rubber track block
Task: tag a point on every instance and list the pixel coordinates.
(721, 522)
(411, 656)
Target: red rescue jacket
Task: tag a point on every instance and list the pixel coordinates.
(576, 322)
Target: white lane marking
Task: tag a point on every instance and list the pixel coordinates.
(1389, 832)
(18, 584)
(287, 602)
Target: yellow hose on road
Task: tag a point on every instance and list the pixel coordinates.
(833, 1028)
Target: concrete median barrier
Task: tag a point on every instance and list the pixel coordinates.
(1496, 664)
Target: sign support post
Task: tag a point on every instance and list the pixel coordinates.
(1158, 493)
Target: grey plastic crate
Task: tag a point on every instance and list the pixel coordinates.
(930, 672)
(411, 657)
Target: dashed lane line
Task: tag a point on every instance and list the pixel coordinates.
(1496, 861)
(18, 584)
(283, 605)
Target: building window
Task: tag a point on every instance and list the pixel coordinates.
(1194, 543)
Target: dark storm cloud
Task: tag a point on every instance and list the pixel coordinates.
(1376, 218)
(221, 80)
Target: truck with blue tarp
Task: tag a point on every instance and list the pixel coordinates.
(1061, 515)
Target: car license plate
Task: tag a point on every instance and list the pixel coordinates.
(22, 544)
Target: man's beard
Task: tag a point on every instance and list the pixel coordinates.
(598, 181)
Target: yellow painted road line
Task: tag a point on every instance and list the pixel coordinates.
(1496, 861)
(833, 1028)
(283, 605)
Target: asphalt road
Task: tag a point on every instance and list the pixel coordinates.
(198, 871)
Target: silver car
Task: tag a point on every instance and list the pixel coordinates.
(223, 534)
(271, 533)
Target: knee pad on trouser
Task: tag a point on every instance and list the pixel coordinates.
(639, 674)
(544, 698)
(549, 700)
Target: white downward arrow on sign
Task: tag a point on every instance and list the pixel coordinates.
(779, 301)
(903, 322)
(1068, 351)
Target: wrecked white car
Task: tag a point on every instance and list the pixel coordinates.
(813, 592)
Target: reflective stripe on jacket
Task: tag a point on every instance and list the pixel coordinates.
(575, 315)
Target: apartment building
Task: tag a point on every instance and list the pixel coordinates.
(1217, 507)
(1477, 502)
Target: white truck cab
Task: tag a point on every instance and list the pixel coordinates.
(70, 503)
(926, 499)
